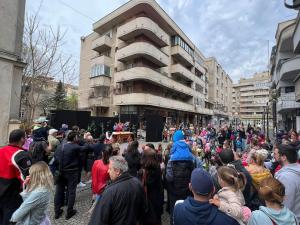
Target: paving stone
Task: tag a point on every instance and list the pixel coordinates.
(82, 205)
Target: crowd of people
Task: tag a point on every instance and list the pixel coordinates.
(206, 175)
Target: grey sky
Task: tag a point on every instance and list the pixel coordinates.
(236, 32)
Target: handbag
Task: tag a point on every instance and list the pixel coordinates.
(150, 214)
(57, 176)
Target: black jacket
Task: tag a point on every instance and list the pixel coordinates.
(122, 203)
(69, 155)
(178, 177)
(155, 193)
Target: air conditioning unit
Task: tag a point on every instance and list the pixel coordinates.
(115, 113)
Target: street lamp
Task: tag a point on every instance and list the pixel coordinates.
(267, 108)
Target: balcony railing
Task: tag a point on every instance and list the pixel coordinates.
(153, 100)
(290, 68)
(143, 49)
(145, 73)
(100, 81)
(145, 26)
(99, 101)
(105, 60)
(287, 101)
(102, 43)
(182, 56)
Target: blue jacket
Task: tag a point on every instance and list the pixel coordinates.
(192, 212)
(289, 176)
(264, 216)
(33, 209)
(181, 151)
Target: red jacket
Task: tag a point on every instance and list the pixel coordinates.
(100, 177)
(14, 167)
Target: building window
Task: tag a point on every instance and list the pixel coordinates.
(100, 70)
(129, 109)
(176, 40)
(217, 81)
(290, 89)
(22, 113)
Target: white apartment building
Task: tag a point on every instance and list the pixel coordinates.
(138, 61)
(285, 71)
(250, 99)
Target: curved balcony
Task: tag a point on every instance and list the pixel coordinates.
(285, 42)
(153, 100)
(296, 36)
(200, 67)
(297, 90)
(287, 102)
(181, 71)
(143, 49)
(182, 56)
(290, 68)
(101, 44)
(143, 26)
(145, 73)
(99, 101)
(100, 81)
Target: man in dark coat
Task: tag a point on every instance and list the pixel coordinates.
(123, 201)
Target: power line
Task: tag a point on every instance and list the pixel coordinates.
(76, 10)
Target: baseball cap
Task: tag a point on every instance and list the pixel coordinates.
(201, 182)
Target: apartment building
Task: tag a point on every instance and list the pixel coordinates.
(42, 96)
(219, 92)
(250, 99)
(285, 70)
(138, 61)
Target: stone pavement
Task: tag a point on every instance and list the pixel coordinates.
(83, 204)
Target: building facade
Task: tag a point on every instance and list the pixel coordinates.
(285, 70)
(219, 92)
(42, 96)
(138, 61)
(251, 100)
(11, 65)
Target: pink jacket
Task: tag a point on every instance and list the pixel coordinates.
(231, 203)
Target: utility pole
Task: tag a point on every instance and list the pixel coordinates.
(267, 120)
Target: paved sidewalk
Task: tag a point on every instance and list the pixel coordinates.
(82, 205)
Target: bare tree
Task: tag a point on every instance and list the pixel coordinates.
(45, 62)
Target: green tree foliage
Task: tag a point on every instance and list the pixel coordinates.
(59, 100)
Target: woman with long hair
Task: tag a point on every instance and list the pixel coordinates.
(100, 174)
(133, 158)
(36, 197)
(272, 192)
(152, 182)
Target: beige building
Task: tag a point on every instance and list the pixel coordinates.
(285, 71)
(219, 91)
(42, 95)
(11, 65)
(138, 61)
(250, 98)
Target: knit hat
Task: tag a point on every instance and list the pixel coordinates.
(178, 135)
(201, 182)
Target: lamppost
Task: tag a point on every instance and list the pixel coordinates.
(267, 109)
(264, 120)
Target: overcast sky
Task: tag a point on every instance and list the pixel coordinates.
(236, 32)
